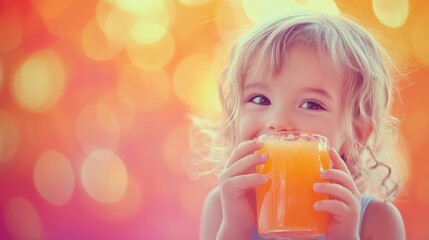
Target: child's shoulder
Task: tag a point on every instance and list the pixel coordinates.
(213, 198)
(211, 215)
(212, 207)
(382, 220)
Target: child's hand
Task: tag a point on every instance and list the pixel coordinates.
(237, 183)
(344, 203)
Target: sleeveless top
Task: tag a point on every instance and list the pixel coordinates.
(365, 200)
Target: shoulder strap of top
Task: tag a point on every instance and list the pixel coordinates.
(365, 201)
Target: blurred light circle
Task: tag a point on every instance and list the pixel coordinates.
(148, 33)
(121, 25)
(39, 82)
(392, 13)
(10, 27)
(9, 136)
(152, 57)
(54, 177)
(419, 37)
(230, 20)
(194, 2)
(114, 22)
(104, 176)
(96, 45)
(22, 219)
(97, 127)
(324, 6)
(260, 10)
(48, 9)
(195, 83)
(122, 210)
(146, 7)
(144, 91)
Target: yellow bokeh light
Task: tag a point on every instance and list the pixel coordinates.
(147, 7)
(22, 219)
(48, 9)
(148, 33)
(96, 45)
(230, 19)
(97, 127)
(392, 13)
(194, 2)
(9, 136)
(195, 83)
(324, 6)
(121, 25)
(104, 176)
(143, 91)
(260, 10)
(419, 36)
(152, 57)
(115, 23)
(54, 177)
(129, 205)
(39, 82)
(10, 27)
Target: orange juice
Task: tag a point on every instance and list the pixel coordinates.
(285, 203)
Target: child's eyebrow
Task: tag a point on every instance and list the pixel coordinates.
(318, 91)
(254, 85)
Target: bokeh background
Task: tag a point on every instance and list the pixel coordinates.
(94, 104)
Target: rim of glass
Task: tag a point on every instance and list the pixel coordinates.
(260, 137)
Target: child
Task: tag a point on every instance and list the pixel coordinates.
(315, 73)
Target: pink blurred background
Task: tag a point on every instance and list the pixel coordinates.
(94, 99)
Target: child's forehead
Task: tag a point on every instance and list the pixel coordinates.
(308, 60)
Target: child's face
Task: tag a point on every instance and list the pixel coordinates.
(305, 96)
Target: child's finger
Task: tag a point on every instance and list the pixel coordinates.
(336, 191)
(241, 183)
(337, 161)
(331, 206)
(243, 149)
(243, 165)
(342, 178)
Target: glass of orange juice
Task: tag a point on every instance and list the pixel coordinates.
(285, 203)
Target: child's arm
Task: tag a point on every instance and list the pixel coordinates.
(211, 226)
(229, 211)
(382, 220)
(211, 215)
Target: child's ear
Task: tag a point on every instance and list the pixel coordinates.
(363, 130)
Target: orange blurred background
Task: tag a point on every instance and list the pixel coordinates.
(94, 99)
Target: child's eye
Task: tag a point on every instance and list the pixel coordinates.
(259, 99)
(312, 105)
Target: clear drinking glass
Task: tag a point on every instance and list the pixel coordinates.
(285, 203)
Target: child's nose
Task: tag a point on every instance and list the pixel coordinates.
(280, 123)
